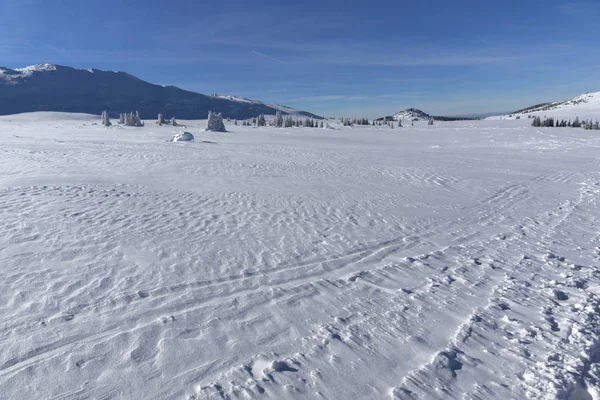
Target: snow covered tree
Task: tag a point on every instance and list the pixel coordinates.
(321, 125)
(161, 119)
(278, 120)
(121, 118)
(132, 119)
(261, 121)
(173, 122)
(215, 123)
(105, 119)
(430, 121)
(288, 122)
(576, 123)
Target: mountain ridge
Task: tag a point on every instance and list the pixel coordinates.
(584, 103)
(51, 87)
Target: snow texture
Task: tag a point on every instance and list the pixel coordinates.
(454, 261)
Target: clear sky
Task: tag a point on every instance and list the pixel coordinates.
(330, 57)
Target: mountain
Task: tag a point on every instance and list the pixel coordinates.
(584, 106)
(411, 114)
(49, 87)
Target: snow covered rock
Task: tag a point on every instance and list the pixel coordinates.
(183, 137)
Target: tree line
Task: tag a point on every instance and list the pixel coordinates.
(556, 123)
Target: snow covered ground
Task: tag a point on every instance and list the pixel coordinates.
(458, 260)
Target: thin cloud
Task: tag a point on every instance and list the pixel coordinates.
(350, 98)
(326, 98)
(269, 57)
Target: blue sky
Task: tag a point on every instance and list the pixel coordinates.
(330, 57)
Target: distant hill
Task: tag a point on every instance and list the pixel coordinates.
(413, 114)
(585, 106)
(48, 87)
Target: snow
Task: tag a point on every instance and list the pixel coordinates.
(36, 68)
(458, 260)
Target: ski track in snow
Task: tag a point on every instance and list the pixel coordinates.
(458, 260)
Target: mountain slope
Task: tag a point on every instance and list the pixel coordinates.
(583, 106)
(48, 87)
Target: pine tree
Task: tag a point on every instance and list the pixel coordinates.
(105, 119)
(161, 119)
(278, 120)
(173, 122)
(121, 118)
(260, 121)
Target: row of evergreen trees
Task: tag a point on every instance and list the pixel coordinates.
(354, 121)
(281, 121)
(576, 123)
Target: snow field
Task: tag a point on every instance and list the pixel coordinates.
(458, 260)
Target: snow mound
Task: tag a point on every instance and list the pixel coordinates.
(182, 137)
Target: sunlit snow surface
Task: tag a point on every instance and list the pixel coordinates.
(458, 260)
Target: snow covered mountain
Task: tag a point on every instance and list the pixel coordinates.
(411, 114)
(278, 107)
(584, 106)
(48, 87)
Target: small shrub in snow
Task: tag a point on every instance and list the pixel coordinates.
(173, 122)
(215, 123)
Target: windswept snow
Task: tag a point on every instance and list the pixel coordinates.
(458, 260)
